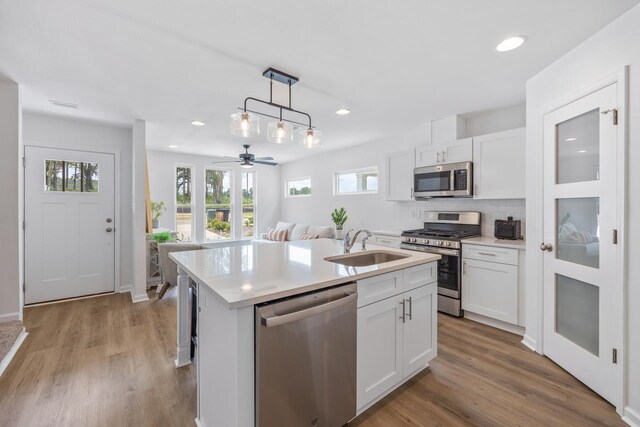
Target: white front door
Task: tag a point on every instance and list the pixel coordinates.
(581, 305)
(69, 224)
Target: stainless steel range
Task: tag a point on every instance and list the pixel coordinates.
(442, 234)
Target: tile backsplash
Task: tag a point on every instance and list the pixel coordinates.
(410, 215)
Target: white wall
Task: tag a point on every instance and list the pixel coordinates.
(604, 54)
(11, 202)
(372, 211)
(162, 187)
(49, 131)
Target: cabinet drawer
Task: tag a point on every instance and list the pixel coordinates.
(380, 287)
(490, 253)
(390, 241)
(420, 275)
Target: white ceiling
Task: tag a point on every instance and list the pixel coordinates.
(395, 64)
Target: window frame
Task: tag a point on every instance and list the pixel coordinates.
(192, 203)
(232, 231)
(302, 178)
(336, 179)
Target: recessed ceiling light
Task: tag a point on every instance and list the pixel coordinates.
(511, 43)
(343, 112)
(582, 151)
(173, 146)
(197, 123)
(570, 139)
(64, 104)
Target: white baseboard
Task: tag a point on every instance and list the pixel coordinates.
(9, 317)
(12, 352)
(631, 417)
(514, 329)
(139, 298)
(123, 289)
(529, 342)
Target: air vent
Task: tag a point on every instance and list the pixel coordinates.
(64, 104)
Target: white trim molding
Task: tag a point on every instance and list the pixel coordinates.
(528, 341)
(139, 298)
(8, 317)
(631, 417)
(12, 352)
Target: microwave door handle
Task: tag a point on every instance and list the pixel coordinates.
(453, 180)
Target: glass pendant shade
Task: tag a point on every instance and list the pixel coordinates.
(246, 164)
(310, 138)
(279, 132)
(245, 124)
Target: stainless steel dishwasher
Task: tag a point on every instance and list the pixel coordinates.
(306, 359)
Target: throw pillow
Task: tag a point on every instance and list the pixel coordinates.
(309, 236)
(277, 235)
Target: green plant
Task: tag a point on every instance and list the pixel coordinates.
(157, 208)
(339, 217)
(220, 226)
(165, 236)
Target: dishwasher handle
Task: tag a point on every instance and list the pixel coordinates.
(272, 319)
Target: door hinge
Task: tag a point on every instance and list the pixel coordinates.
(614, 355)
(614, 112)
(24, 287)
(615, 237)
(24, 162)
(24, 225)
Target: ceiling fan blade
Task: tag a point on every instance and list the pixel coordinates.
(262, 162)
(263, 158)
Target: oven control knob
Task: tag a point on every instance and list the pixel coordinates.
(426, 241)
(414, 240)
(439, 242)
(448, 243)
(407, 239)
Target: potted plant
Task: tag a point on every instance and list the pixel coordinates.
(157, 208)
(339, 217)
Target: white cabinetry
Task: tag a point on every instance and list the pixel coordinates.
(386, 240)
(448, 152)
(490, 285)
(499, 165)
(397, 333)
(399, 175)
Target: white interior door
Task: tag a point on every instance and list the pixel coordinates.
(69, 219)
(581, 310)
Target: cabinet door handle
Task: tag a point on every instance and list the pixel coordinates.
(412, 192)
(476, 189)
(486, 253)
(444, 155)
(403, 317)
(464, 267)
(438, 157)
(410, 313)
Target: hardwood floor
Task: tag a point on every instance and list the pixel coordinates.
(107, 362)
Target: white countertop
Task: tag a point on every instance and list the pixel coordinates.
(260, 271)
(492, 241)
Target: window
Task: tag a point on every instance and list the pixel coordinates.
(357, 181)
(298, 187)
(184, 203)
(217, 204)
(78, 177)
(248, 204)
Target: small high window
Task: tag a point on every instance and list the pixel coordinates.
(297, 187)
(357, 181)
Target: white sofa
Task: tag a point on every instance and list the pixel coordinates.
(297, 230)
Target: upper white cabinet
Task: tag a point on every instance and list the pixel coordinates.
(499, 165)
(399, 169)
(448, 152)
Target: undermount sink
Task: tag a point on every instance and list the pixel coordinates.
(363, 259)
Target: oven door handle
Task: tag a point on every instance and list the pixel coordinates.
(431, 250)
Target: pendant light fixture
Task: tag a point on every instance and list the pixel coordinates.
(247, 123)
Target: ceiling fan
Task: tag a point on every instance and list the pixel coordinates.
(247, 160)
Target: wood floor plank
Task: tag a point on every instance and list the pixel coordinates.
(105, 361)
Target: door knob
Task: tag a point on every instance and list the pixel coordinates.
(546, 247)
(109, 229)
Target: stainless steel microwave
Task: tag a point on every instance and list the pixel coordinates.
(448, 180)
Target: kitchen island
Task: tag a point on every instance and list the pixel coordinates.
(231, 280)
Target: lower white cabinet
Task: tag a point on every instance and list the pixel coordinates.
(386, 240)
(490, 288)
(397, 337)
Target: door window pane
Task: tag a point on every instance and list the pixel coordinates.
(248, 204)
(218, 215)
(578, 228)
(578, 148)
(578, 312)
(75, 177)
(184, 206)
